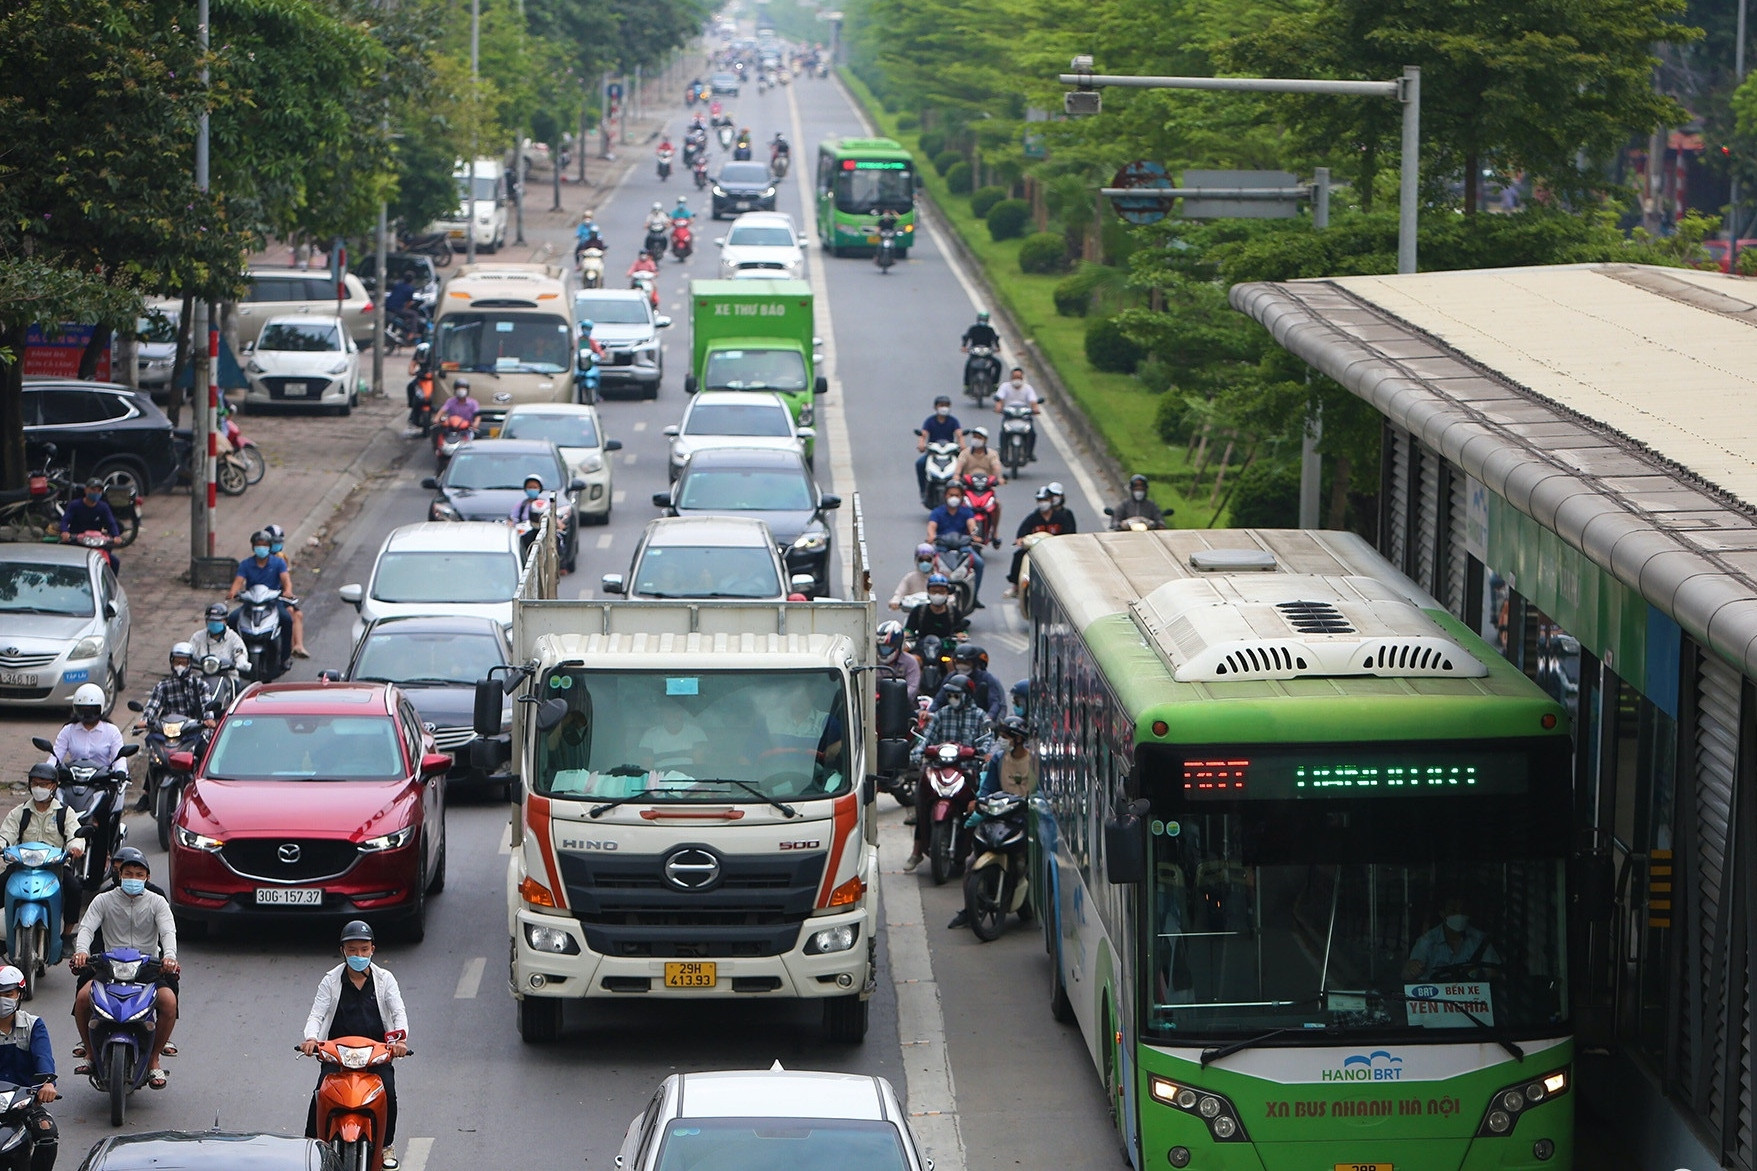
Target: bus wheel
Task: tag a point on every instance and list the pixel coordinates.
(1060, 1007)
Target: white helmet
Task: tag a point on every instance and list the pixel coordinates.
(89, 695)
(11, 979)
(657, 206)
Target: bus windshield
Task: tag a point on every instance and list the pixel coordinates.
(1390, 902)
(867, 189)
(692, 737)
(505, 342)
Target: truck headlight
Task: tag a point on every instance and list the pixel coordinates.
(832, 939)
(89, 647)
(551, 939)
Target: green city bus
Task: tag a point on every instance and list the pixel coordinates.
(857, 178)
(1300, 852)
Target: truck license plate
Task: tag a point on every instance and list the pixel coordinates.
(689, 975)
(17, 679)
(289, 896)
(1363, 1167)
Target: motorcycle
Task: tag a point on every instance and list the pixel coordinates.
(955, 556)
(255, 467)
(591, 262)
(700, 171)
(174, 742)
(682, 240)
(942, 458)
(17, 1136)
(741, 152)
(99, 540)
(1024, 583)
(778, 163)
(33, 909)
(937, 666)
(36, 508)
(404, 330)
(885, 254)
(996, 883)
(124, 1013)
(665, 165)
(1017, 424)
(258, 622)
(657, 239)
(586, 376)
(527, 533)
(979, 494)
(949, 784)
(724, 133)
(454, 431)
(435, 245)
(351, 1106)
(647, 283)
(98, 795)
(980, 374)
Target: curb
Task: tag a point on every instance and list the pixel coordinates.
(352, 476)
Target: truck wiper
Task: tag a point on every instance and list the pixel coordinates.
(642, 795)
(753, 791)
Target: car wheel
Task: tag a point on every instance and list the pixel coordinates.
(436, 884)
(113, 684)
(122, 473)
(345, 410)
(413, 928)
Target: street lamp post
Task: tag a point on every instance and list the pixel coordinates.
(475, 115)
(202, 338)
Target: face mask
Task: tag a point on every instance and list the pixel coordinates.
(39, 795)
(133, 886)
(1138, 494)
(216, 628)
(1457, 923)
(954, 701)
(91, 497)
(978, 443)
(532, 493)
(937, 599)
(277, 547)
(1046, 508)
(1018, 383)
(260, 551)
(942, 412)
(954, 503)
(359, 963)
(8, 1005)
(1018, 709)
(924, 566)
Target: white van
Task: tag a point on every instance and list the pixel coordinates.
(481, 207)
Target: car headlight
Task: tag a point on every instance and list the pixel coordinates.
(832, 939)
(390, 841)
(551, 939)
(190, 840)
(339, 368)
(442, 511)
(252, 368)
(89, 647)
(720, 191)
(768, 193)
(810, 543)
(592, 462)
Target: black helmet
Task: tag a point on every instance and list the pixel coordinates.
(971, 653)
(261, 537)
(961, 684)
(217, 610)
(129, 856)
(357, 931)
(890, 640)
(1014, 726)
(44, 772)
(942, 400)
(1137, 478)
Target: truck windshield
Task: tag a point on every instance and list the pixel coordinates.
(693, 737)
(782, 370)
(504, 342)
(1365, 895)
(863, 191)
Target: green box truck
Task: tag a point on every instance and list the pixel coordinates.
(754, 335)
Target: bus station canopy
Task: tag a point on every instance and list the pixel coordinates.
(1614, 404)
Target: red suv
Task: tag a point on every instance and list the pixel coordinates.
(315, 799)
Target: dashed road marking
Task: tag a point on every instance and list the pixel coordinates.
(470, 980)
(628, 459)
(640, 425)
(604, 540)
(618, 496)
(415, 1154)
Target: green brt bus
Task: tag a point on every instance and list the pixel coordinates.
(1301, 857)
(857, 178)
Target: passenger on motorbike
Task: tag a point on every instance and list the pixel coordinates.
(940, 427)
(26, 1059)
(89, 512)
(954, 516)
(1016, 392)
(1049, 517)
(277, 543)
(893, 661)
(1137, 506)
(915, 581)
(982, 334)
(961, 721)
(219, 640)
(525, 509)
(1014, 768)
(586, 236)
(45, 819)
(1021, 697)
(934, 616)
(643, 263)
(358, 998)
(419, 388)
(130, 915)
(87, 736)
(990, 695)
(262, 567)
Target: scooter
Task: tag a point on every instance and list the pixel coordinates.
(700, 170)
(954, 556)
(98, 795)
(942, 458)
(124, 989)
(935, 654)
(979, 494)
(174, 742)
(980, 374)
(778, 163)
(664, 165)
(586, 376)
(948, 785)
(99, 540)
(1017, 424)
(724, 134)
(33, 909)
(654, 245)
(527, 533)
(591, 268)
(255, 467)
(258, 622)
(351, 1107)
(996, 883)
(453, 432)
(885, 255)
(682, 239)
(647, 283)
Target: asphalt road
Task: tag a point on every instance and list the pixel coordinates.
(1010, 1087)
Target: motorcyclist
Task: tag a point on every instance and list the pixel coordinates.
(1012, 768)
(262, 567)
(590, 342)
(980, 457)
(90, 512)
(180, 691)
(971, 661)
(586, 236)
(420, 388)
(87, 736)
(961, 721)
(887, 221)
(657, 220)
(1021, 697)
(1016, 392)
(893, 661)
(525, 509)
(1048, 517)
(1138, 505)
(461, 403)
(666, 151)
(277, 543)
(399, 302)
(778, 146)
(130, 915)
(643, 263)
(915, 581)
(680, 211)
(934, 616)
(358, 998)
(982, 334)
(741, 148)
(940, 427)
(45, 819)
(218, 639)
(27, 1059)
(955, 516)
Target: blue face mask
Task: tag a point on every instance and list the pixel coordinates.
(216, 628)
(359, 963)
(533, 493)
(1018, 708)
(133, 886)
(277, 547)
(261, 551)
(924, 566)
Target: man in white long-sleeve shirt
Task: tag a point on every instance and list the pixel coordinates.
(129, 915)
(357, 998)
(88, 736)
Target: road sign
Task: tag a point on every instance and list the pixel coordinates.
(1221, 207)
(1149, 209)
(613, 91)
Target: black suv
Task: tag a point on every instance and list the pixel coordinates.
(100, 429)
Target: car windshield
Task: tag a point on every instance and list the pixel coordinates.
(158, 327)
(755, 370)
(306, 748)
(611, 310)
(753, 236)
(745, 174)
(307, 337)
(446, 577)
(26, 588)
(474, 469)
(401, 656)
(875, 186)
(694, 1144)
(563, 430)
(693, 737)
(487, 187)
(744, 490)
(758, 419)
(706, 571)
(1398, 895)
(507, 342)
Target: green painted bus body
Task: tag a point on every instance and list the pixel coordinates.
(841, 228)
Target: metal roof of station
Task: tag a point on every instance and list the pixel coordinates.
(1614, 404)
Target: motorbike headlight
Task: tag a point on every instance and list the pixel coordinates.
(339, 368)
(551, 939)
(125, 970)
(33, 857)
(190, 840)
(809, 543)
(172, 731)
(390, 841)
(354, 1056)
(832, 939)
(89, 647)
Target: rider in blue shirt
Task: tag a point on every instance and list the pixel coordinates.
(954, 516)
(26, 1059)
(940, 427)
(262, 567)
(681, 211)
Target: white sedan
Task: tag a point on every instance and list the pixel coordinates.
(761, 241)
(736, 418)
(303, 361)
(578, 434)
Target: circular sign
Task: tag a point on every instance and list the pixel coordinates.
(1147, 210)
(614, 91)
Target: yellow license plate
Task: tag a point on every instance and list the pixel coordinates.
(872, 239)
(702, 976)
(1364, 1167)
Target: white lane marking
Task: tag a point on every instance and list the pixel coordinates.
(640, 425)
(415, 1153)
(618, 496)
(1046, 423)
(604, 540)
(470, 980)
(628, 458)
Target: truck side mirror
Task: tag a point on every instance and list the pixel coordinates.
(689, 384)
(490, 703)
(1125, 846)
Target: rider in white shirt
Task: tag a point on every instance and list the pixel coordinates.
(1016, 392)
(88, 736)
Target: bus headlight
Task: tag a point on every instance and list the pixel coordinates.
(1510, 1102)
(1214, 1109)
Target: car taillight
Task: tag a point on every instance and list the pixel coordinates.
(367, 308)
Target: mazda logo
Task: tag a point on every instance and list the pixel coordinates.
(289, 853)
(692, 868)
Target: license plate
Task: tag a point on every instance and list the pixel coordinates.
(1363, 1167)
(295, 390)
(872, 239)
(15, 679)
(743, 205)
(455, 234)
(689, 975)
(289, 896)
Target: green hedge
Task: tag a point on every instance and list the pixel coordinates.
(1109, 349)
(907, 121)
(1008, 219)
(984, 198)
(959, 178)
(1044, 253)
(1266, 497)
(945, 160)
(931, 142)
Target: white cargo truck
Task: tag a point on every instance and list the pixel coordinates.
(696, 810)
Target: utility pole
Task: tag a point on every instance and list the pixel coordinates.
(204, 341)
(1733, 232)
(475, 115)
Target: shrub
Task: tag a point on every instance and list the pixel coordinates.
(1074, 296)
(1007, 219)
(1109, 349)
(1266, 496)
(984, 198)
(907, 121)
(959, 178)
(1155, 376)
(945, 160)
(932, 142)
(1044, 253)
(1173, 420)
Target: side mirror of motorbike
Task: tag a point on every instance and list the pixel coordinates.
(42, 744)
(183, 762)
(127, 750)
(1109, 511)
(435, 764)
(134, 705)
(431, 483)
(352, 594)
(661, 322)
(821, 386)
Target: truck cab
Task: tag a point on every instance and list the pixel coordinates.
(756, 336)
